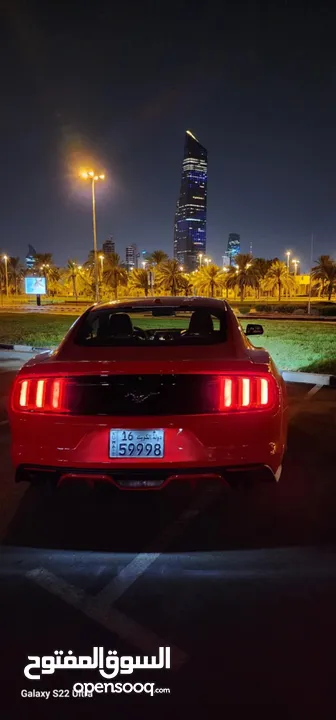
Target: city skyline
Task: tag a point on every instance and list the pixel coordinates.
(259, 94)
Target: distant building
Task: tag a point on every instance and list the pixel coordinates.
(131, 257)
(233, 246)
(143, 257)
(226, 260)
(109, 247)
(30, 257)
(191, 207)
(302, 283)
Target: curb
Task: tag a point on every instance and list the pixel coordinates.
(24, 348)
(307, 377)
(288, 375)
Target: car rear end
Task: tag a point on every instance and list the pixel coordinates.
(140, 417)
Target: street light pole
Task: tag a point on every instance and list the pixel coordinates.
(94, 225)
(310, 274)
(288, 255)
(93, 177)
(5, 257)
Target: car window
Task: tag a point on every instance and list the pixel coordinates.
(152, 326)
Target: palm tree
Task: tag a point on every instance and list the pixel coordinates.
(157, 257)
(279, 277)
(15, 272)
(209, 279)
(186, 285)
(169, 276)
(243, 275)
(89, 263)
(261, 267)
(138, 280)
(43, 259)
(75, 277)
(325, 271)
(44, 263)
(71, 273)
(114, 274)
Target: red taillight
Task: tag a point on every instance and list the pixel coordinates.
(40, 395)
(56, 400)
(23, 395)
(247, 392)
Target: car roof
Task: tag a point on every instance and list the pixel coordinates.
(193, 302)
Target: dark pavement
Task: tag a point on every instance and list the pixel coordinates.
(241, 585)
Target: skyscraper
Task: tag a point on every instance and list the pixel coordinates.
(109, 246)
(233, 246)
(131, 257)
(190, 216)
(30, 257)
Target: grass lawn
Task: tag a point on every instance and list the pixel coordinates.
(299, 345)
(293, 345)
(34, 329)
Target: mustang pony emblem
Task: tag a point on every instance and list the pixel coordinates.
(140, 397)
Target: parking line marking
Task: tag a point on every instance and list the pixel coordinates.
(100, 607)
(114, 589)
(312, 391)
(118, 623)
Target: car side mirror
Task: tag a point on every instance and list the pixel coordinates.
(252, 329)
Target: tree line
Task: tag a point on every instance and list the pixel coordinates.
(257, 276)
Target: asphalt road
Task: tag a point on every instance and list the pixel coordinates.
(241, 585)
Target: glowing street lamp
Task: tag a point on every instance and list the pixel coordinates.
(288, 253)
(295, 263)
(91, 175)
(181, 268)
(144, 264)
(5, 258)
(207, 260)
(200, 257)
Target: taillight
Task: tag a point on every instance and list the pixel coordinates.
(40, 395)
(247, 392)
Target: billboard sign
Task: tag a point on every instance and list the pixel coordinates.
(35, 286)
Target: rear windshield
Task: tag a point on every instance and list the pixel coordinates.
(152, 326)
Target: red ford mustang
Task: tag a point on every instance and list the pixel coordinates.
(143, 392)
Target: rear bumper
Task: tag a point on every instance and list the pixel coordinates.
(191, 442)
(154, 479)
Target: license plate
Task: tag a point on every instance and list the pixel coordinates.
(136, 443)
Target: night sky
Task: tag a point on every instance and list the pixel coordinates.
(115, 85)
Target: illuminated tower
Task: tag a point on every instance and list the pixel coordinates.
(191, 208)
(233, 246)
